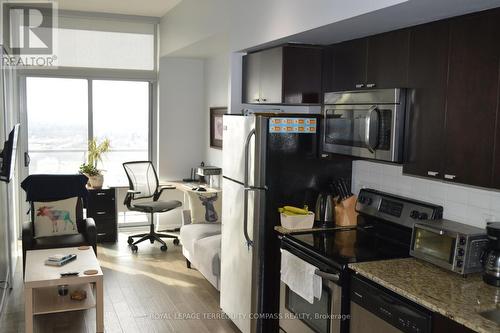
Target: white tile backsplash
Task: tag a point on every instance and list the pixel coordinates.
(464, 204)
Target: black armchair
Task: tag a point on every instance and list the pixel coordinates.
(45, 188)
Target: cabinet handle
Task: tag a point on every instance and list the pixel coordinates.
(263, 100)
(432, 173)
(359, 85)
(101, 193)
(256, 99)
(100, 213)
(451, 177)
(370, 85)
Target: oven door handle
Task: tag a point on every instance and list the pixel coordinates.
(371, 129)
(328, 276)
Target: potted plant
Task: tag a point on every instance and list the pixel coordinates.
(94, 155)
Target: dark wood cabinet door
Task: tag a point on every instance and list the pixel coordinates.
(427, 78)
(387, 59)
(349, 64)
(271, 75)
(251, 78)
(302, 75)
(496, 166)
(472, 98)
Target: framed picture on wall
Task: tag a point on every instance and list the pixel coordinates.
(216, 114)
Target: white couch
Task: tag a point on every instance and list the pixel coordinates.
(201, 247)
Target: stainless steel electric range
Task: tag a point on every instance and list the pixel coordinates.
(384, 230)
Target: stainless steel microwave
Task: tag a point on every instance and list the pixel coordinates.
(451, 245)
(365, 123)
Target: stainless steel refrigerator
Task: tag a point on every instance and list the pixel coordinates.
(269, 160)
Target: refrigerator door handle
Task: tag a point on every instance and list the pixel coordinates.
(245, 221)
(247, 189)
(247, 160)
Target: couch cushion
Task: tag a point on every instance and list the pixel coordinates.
(191, 233)
(59, 241)
(207, 258)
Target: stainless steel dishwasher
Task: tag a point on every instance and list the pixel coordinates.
(376, 310)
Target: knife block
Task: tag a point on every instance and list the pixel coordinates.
(345, 212)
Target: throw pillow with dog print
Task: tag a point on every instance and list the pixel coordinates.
(55, 218)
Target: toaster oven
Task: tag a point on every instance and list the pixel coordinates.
(451, 245)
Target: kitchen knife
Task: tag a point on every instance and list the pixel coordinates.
(345, 188)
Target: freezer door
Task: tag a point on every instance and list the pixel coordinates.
(237, 131)
(236, 257)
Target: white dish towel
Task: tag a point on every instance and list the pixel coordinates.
(300, 276)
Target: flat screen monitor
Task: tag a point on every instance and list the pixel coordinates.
(8, 155)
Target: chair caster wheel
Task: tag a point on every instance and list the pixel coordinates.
(163, 248)
(134, 248)
(176, 241)
(130, 241)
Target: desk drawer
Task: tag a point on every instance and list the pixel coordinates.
(102, 213)
(103, 194)
(103, 237)
(106, 226)
(106, 230)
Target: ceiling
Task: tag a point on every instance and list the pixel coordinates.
(408, 13)
(156, 8)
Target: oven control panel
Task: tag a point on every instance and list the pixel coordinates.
(396, 209)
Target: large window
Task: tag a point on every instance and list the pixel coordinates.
(62, 118)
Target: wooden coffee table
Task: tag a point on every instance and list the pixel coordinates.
(41, 282)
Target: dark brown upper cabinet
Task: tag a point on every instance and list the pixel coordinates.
(472, 99)
(349, 65)
(387, 60)
(379, 61)
(495, 21)
(288, 74)
(453, 104)
(427, 78)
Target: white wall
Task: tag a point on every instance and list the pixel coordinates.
(181, 133)
(250, 23)
(9, 218)
(181, 126)
(463, 204)
(216, 94)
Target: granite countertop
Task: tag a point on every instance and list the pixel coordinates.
(285, 231)
(460, 299)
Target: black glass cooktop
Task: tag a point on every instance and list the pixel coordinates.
(341, 247)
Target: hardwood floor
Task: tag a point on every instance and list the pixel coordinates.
(151, 291)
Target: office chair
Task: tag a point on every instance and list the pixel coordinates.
(143, 183)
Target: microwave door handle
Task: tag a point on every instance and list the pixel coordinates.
(371, 129)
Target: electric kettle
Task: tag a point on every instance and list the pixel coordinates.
(324, 213)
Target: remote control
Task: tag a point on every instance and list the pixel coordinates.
(69, 274)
